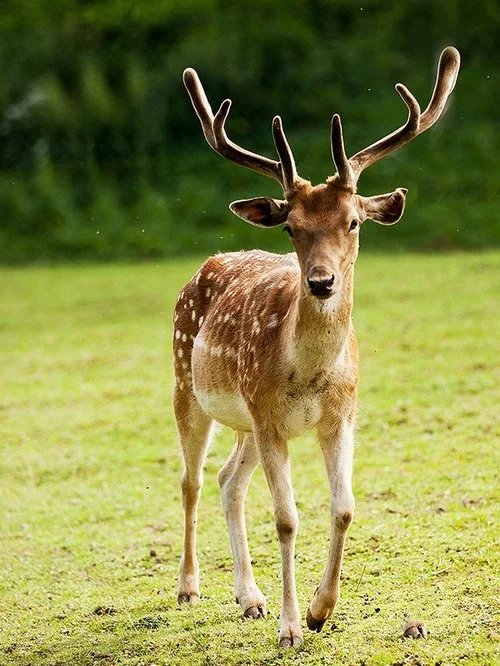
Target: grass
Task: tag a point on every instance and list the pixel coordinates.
(90, 505)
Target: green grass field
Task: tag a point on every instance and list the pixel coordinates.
(89, 489)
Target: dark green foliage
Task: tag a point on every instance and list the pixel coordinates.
(102, 155)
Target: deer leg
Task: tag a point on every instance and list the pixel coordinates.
(194, 432)
(337, 448)
(274, 459)
(234, 478)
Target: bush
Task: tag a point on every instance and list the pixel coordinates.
(103, 157)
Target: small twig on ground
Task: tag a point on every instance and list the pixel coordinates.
(360, 579)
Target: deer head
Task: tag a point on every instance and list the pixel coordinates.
(323, 221)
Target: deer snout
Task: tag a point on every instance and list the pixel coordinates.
(320, 283)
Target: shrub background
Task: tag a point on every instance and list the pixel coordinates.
(102, 156)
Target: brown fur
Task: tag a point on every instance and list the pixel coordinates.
(247, 308)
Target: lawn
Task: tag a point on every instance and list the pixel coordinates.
(90, 503)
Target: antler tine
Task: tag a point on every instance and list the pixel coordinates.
(447, 72)
(201, 104)
(338, 153)
(285, 154)
(364, 158)
(215, 133)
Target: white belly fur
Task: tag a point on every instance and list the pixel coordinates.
(230, 409)
(227, 408)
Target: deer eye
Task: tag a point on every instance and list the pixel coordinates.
(354, 225)
(287, 230)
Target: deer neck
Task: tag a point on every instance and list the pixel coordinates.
(321, 329)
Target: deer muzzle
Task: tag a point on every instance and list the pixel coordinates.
(321, 282)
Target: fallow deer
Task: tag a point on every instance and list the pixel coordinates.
(264, 343)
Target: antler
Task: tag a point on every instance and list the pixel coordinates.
(349, 170)
(283, 171)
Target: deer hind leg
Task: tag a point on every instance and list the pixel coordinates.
(234, 478)
(273, 454)
(337, 448)
(194, 428)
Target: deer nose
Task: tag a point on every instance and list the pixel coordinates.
(321, 288)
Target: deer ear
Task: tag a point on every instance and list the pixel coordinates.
(261, 211)
(386, 208)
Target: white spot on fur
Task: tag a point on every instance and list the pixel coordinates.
(180, 352)
(208, 292)
(193, 315)
(177, 334)
(200, 321)
(273, 321)
(184, 337)
(199, 343)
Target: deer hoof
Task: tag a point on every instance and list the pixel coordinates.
(188, 599)
(291, 641)
(313, 623)
(255, 613)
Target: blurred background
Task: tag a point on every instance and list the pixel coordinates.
(102, 156)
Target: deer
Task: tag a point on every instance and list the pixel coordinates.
(264, 344)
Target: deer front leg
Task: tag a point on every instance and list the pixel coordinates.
(276, 465)
(337, 447)
(234, 478)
